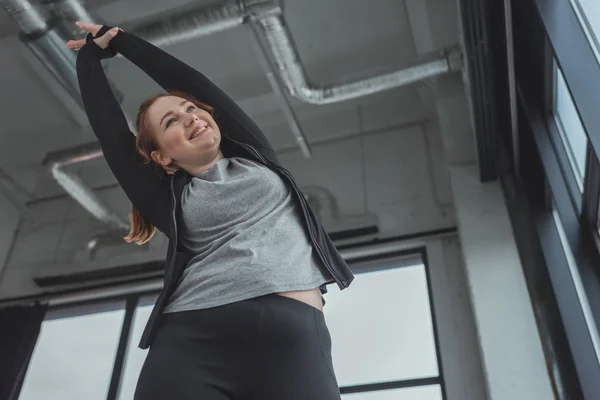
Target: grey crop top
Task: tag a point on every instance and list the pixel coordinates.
(242, 225)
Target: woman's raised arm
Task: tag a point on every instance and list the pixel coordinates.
(146, 187)
(173, 74)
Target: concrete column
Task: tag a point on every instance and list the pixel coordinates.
(513, 359)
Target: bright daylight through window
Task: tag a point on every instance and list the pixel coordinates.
(589, 13)
(571, 128)
(74, 357)
(397, 350)
(135, 356)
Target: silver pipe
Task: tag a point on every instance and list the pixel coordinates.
(30, 18)
(191, 24)
(50, 49)
(47, 43)
(292, 72)
(69, 11)
(286, 107)
(77, 189)
(87, 198)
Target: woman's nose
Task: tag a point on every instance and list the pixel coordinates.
(191, 119)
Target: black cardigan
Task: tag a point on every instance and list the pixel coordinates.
(155, 194)
(142, 183)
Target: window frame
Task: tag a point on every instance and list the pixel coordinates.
(553, 33)
(360, 264)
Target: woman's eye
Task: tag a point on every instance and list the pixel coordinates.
(191, 109)
(170, 122)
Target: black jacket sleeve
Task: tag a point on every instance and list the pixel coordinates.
(146, 187)
(173, 74)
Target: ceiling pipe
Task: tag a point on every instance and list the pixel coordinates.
(69, 11)
(47, 42)
(29, 18)
(74, 185)
(204, 21)
(292, 71)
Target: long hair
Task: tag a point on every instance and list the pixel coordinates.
(140, 230)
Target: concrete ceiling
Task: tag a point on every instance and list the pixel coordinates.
(384, 154)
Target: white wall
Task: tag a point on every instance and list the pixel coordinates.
(513, 358)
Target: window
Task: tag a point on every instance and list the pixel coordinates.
(571, 129)
(576, 276)
(414, 393)
(397, 360)
(589, 13)
(135, 356)
(402, 348)
(74, 358)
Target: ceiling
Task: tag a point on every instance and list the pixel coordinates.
(385, 154)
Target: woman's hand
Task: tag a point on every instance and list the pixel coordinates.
(102, 41)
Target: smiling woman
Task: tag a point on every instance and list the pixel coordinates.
(154, 143)
(246, 252)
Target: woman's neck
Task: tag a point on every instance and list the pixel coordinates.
(198, 169)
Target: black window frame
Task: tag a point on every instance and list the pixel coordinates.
(549, 33)
(386, 261)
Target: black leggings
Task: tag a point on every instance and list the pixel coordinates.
(266, 348)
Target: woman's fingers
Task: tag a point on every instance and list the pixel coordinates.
(101, 41)
(104, 40)
(75, 44)
(90, 28)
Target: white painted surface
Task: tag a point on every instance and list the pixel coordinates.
(512, 354)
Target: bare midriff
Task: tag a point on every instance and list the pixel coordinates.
(311, 297)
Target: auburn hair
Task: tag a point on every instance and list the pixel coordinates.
(140, 230)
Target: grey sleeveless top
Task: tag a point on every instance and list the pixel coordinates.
(244, 230)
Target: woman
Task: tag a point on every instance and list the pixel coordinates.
(240, 314)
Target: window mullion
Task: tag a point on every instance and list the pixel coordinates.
(117, 373)
(591, 193)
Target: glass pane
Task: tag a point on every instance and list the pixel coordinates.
(572, 131)
(589, 13)
(73, 358)
(135, 356)
(577, 281)
(381, 328)
(414, 393)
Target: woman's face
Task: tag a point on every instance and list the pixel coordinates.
(186, 134)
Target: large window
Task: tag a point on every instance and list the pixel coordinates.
(384, 343)
(577, 281)
(135, 356)
(589, 13)
(570, 127)
(413, 393)
(557, 62)
(402, 347)
(73, 358)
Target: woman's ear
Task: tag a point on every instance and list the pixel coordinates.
(166, 162)
(160, 158)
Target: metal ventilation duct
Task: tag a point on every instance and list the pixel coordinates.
(292, 71)
(205, 21)
(78, 190)
(47, 42)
